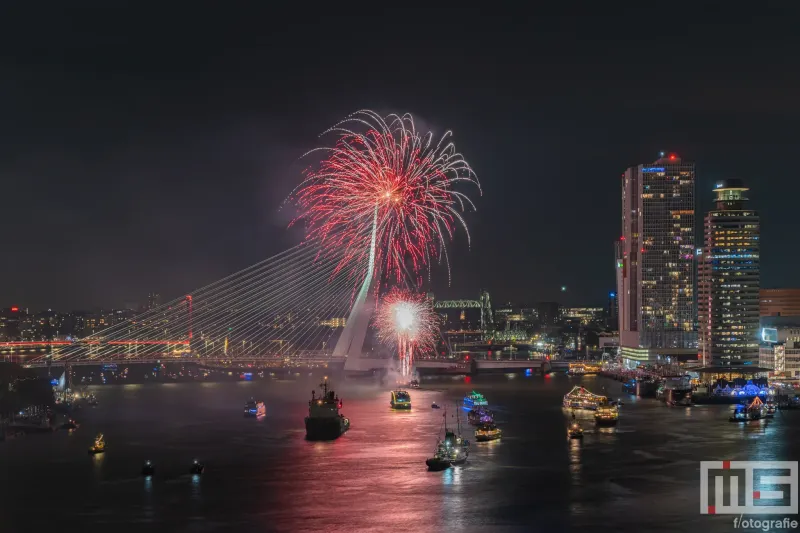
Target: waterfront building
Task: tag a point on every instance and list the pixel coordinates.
(585, 315)
(729, 280)
(655, 262)
(781, 351)
(780, 302)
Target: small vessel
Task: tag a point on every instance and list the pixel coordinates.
(629, 387)
(148, 469)
(324, 422)
(474, 399)
(400, 400)
(575, 431)
(487, 432)
(440, 460)
(435, 405)
(197, 468)
(771, 408)
(414, 384)
(99, 445)
(749, 413)
(254, 409)
(606, 415)
(91, 400)
(451, 451)
(70, 424)
(480, 415)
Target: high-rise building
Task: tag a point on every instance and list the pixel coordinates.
(655, 262)
(780, 302)
(729, 280)
(612, 312)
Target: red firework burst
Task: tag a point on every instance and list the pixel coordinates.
(407, 320)
(383, 174)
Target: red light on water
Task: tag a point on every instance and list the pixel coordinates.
(467, 380)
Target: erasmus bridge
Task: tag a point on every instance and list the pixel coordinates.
(378, 210)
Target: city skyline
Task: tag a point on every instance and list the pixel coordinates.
(164, 181)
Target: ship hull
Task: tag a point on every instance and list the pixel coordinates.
(325, 428)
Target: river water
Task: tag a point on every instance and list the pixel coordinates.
(262, 475)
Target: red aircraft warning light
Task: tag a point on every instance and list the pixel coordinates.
(14, 309)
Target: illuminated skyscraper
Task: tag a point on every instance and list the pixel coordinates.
(655, 262)
(729, 280)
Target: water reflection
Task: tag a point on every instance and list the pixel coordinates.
(575, 465)
(266, 477)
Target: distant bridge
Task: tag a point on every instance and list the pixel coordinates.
(484, 304)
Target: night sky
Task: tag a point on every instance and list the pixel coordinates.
(150, 150)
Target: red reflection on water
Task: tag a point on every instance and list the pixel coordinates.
(467, 380)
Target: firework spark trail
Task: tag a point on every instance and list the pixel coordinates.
(382, 169)
(407, 321)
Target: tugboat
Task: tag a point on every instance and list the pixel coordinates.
(440, 460)
(400, 400)
(254, 409)
(474, 400)
(452, 451)
(606, 416)
(749, 413)
(148, 469)
(197, 468)
(487, 432)
(575, 431)
(99, 445)
(435, 405)
(324, 421)
(414, 384)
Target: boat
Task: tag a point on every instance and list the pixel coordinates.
(440, 460)
(400, 400)
(99, 445)
(629, 387)
(575, 431)
(148, 469)
(324, 422)
(474, 399)
(480, 415)
(748, 413)
(580, 398)
(254, 409)
(487, 432)
(414, 384)
(70, 424)
(435, 405)
(452, 451)
(771, 408)
(606, 415)
(197, 468)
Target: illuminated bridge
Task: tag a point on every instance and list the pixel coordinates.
(286, 310)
